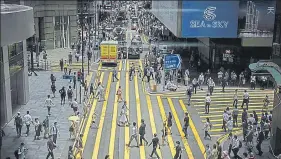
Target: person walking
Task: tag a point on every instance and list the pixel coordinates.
(92, 89)
(49, 103)
(114, 74)
(236, 146)
(74, 106)
(55, 132)
(65, 67)
(207, 104)
(223, 84)
(27, 120)
(225, 118)
(201, 80)
(189, 94)
(18, 123)
(62, 95)
(69, 94)
(134, 135)
(235, 98)
(21, 151)
(53, 89)
(178, 150)
(74, 79)
(211, 85)
(229, 124)
(123, 120)
(186, 124)
(53, 79)
(235, 113)
(142, 132)
(194, 85)
(51, 146)
(207, 127)
(46, 125)
(155, 143)
(260, 139)
(61, 65)
(245, 99)
(186, 77)
(70, 56)
(119, 94)
(38, 129)
(164, 133)
(170, 122)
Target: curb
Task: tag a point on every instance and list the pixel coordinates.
(222, 138)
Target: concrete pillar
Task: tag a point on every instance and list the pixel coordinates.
(23, 84)
(6, 104)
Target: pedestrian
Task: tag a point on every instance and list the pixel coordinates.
(85, 88)
(18, 123)
(186, 77)
(114, 74)
(244, 129)
(230, 139)
(253, 82)
(189, 94)
(164, 133)
(70, 58)
(236, 146)
(21, 151)
(49, 103)
(223, 84)
(74, 79)
(79, 146)
(38, 129)
(92, 90)
(62, 95)
(74, 106)
(214, 153)
(200, 80)
(235, 113)
(265, 103)
(245, 99)
(155, 143)
(266, 128)
(94, 124)
(134, 135)
(235, 98)
(123, 120)
(194, 85)
(148, 74)
(70, 153)
(244, 115)
(250, 136)
(186, 124)
(207, 127)
(169, 122)
(220, 77)
(51, 146)
(224, 120)
(27, 120)
(55, 132)
(219, 148)
(211, 85)
(229, 124)
(65, 67)
(69, 94)
(61, 64)
(46, 125)
(178, 150)
(233, 78)
(119, 94)
(53, 89)
(207, 104)
(53, 79)
(208, 152)
(144, 73)
(142, 132)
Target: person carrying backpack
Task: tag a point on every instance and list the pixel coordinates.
(69, 94)
(62, 95)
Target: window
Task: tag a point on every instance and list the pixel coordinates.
(16, 61)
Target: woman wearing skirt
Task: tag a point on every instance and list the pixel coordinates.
(123, 120)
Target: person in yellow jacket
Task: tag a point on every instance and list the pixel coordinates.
(65, 67)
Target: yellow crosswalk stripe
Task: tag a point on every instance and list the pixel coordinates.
(88, 124)
(142, 151)
(102, 116)
(127, 130)
(114, 118)
(185, 142)
(194, 130)
(164, 118)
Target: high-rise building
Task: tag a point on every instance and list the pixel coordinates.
(252, 17)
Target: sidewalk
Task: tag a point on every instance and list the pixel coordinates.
(39, 89)
(265, 148)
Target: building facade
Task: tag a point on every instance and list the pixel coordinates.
(17, 25)
(55, 22)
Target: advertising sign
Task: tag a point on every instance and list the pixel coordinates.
(112, 51)
(214, 19)
(256, 18)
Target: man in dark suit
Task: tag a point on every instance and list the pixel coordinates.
(142, 132)
(260, 139)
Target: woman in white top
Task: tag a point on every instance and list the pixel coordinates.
(207, 127)
(123, 120)
(229, 124)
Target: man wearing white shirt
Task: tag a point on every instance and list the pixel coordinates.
(225, 119)
(208, 102)
(201, 80)
(27, 120)
(245, 99)
(74, 106)
(49, 103)
(186, 76)
(235, 147)
(134, 135)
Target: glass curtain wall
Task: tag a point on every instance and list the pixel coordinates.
(16, 64)
(61, 31)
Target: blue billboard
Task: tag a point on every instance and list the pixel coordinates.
(214, 19)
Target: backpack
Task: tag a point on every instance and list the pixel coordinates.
(240, 144)
(18, 120)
